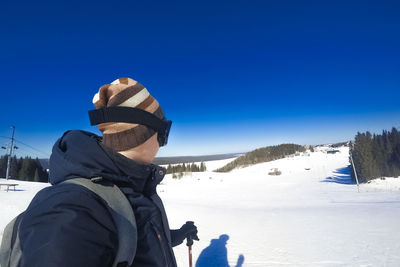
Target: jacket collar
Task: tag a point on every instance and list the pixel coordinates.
(82, 154)
(150, 174)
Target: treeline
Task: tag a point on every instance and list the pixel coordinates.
(180, 168)
(24, 169)
(340, 144)
(264, 154)
(190, 159)
(376, 155)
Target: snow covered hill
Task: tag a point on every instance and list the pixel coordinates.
(310, 215)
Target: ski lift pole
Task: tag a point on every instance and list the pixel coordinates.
(189, 243)
(10, 155)
(355, 173)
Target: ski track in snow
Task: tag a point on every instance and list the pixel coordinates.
(303, 217)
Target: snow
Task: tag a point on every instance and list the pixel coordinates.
(215, 164)
(15, 202)
(313, 217)
(383, 184)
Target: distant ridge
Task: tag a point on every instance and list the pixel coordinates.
(173, 160)
(186, 159)
(345, 143)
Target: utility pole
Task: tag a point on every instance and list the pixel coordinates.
(10, 155)
(354, 168)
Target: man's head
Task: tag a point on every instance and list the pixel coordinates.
(125, 100)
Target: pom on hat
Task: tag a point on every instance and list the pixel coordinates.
(126, 92)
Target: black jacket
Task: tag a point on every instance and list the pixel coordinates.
(68, 225)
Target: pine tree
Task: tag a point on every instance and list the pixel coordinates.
(14, 167)
(36, 178)
(395, 157)
(27, 171)
(169, 169)
(194, 167)
(376, 156)
(3, 166)
(367, 164)
(43, 175)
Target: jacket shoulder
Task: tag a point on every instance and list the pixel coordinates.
(67, 225)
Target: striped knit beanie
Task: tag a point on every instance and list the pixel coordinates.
(125, 92)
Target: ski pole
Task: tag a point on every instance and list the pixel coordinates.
(189, 243)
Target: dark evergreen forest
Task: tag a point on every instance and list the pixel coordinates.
(24, 169)
(186, 168)
(376, 155)
(264, 154)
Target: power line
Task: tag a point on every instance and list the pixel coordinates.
(24, 150)
(31, 147)
(11, 151)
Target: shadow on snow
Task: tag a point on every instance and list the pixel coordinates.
(340, 176)
(216, 255)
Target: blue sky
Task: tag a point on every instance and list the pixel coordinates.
(232, 75)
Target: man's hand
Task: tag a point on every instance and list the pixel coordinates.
(188, 230)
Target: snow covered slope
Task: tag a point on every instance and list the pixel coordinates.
(310, 215)
(303, 217)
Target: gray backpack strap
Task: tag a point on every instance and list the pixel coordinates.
(123, 216)
(10, 250)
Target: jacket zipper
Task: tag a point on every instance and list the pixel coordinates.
(158, 236)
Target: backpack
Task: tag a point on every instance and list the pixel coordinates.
(121, 211)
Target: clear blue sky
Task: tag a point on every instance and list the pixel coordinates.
(232, 75)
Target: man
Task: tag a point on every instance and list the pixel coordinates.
(67, 224)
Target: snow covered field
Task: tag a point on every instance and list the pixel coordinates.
(311, 215)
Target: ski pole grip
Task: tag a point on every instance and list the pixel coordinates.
(189, 239)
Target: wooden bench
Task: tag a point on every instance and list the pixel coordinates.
(8, 186)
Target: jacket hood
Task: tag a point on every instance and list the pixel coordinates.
(81, 154)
